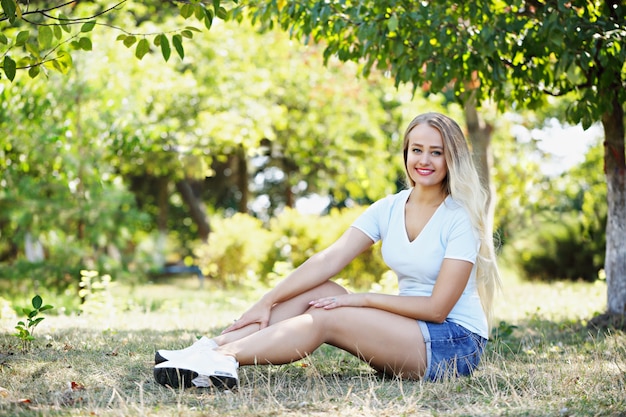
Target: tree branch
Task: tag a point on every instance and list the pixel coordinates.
(44, 12)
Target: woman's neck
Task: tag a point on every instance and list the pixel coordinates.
(427, 196)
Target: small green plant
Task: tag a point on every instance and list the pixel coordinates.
(26, 329)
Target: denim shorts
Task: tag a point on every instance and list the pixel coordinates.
(451, 350)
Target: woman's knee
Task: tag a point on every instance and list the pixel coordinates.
(330, 288)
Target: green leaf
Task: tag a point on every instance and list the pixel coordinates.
(36, 321)
(10, 8)
(37, 301)
(58, 32)
(33, 71)
(3, 39)
(143, 47)
(129, 41)
(88, 26)
(46, 307)
(166, 51)
(9, 67)
(177, 40)
(222, 13)
(208, 19)
(186, 10)
(187, 34)
(392, 23)
(33, 48)
(22, 38)
(64, 18)
(62, 63)
(199, 11)
(44, 37)
(85, 44)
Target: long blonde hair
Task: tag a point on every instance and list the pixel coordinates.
(463, 184)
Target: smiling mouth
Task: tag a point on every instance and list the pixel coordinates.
(424, 171)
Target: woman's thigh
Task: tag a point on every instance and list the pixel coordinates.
(389, 342)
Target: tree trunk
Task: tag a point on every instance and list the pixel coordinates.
(197, 210)
(162, 202)
(479, 134)
(242, 179)
(615, 170)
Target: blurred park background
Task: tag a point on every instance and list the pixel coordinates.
(143, 136)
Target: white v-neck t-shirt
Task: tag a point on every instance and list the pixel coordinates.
(448, 234)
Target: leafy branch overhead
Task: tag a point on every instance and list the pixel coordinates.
(37, 37)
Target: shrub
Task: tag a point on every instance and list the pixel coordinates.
(241, 250)
(562, 247)
(236, 249)
(300, 236)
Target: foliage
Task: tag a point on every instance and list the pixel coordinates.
(39, 37)
(95, 293)
(55, 186)
(519, 182)
(342, 123)
(517, 51)
(304, 235)
(508, 50)
(561, 234)
(242, 251)
(26, 330)
(89, 159)
(559, 247)
(235, 250)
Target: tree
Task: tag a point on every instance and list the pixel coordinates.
(156, 125)
(516, 53)
(39, 37)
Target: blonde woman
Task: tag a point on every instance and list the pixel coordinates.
(433, 236)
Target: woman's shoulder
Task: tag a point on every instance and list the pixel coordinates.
(453, 208)
(391, 200)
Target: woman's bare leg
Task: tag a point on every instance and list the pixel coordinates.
(387, 341)
(285, 310)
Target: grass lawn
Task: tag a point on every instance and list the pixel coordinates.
(543, 361)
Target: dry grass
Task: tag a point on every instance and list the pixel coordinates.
(543, 362)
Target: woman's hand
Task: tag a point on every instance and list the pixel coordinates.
(259, 314)
(344, 300)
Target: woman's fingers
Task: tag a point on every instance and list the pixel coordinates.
(326, 302)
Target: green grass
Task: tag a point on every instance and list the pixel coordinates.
(543, 361)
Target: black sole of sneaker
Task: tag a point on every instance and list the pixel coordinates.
(176, 378)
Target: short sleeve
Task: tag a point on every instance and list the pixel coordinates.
(463, 242)
(371, 220)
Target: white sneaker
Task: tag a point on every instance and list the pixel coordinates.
(201, 368)
(204, 343)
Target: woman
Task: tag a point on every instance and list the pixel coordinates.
(433, 236)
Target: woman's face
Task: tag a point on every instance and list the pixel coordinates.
(425, 162)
